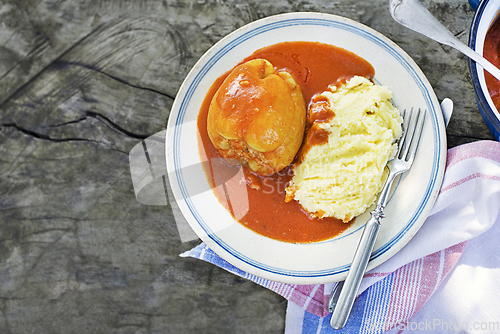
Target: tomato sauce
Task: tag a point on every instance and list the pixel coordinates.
(491, 53)
(315, 66)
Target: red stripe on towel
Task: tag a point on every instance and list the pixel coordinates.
(482, 149)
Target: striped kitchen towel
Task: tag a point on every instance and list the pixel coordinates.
(392, 293)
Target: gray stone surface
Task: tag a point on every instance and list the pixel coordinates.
(81, 83)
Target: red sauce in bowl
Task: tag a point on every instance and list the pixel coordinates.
(491, 53)
(315, 66)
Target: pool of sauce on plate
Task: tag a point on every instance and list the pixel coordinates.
(491, 52)
(315, 66)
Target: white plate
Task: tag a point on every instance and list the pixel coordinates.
(326, 261)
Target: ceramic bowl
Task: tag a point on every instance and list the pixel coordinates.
(486, 12)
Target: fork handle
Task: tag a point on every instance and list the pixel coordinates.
(346, 298)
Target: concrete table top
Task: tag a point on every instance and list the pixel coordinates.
(83, 82)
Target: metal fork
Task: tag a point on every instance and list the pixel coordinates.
(343, 295)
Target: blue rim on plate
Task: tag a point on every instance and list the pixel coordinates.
(487, 113)
(367, 33)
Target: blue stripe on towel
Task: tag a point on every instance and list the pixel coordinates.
(311, 322)
(203, 252)
(368, 314)
(375, 312)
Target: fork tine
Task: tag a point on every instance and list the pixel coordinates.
(410, 131)
(406, 123)
(419, 125)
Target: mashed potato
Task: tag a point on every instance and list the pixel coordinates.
(341, 176)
